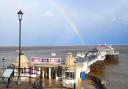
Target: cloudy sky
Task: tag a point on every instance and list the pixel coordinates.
(64, 22)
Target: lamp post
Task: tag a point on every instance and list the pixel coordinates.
(75, 75)
(3, 68)
(20, 14)
(3, 64)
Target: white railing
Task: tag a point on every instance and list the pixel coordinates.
(92, 61)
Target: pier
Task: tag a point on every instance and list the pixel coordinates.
(48, 72)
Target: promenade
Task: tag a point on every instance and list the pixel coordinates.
(47, 84)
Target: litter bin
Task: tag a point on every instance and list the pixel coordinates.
(83, 75)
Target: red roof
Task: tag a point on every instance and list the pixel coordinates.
(102, 46)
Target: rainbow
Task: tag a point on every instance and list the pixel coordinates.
(67, 17)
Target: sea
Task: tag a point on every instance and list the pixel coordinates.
(115, 75)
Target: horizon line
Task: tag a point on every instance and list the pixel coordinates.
(56, 45)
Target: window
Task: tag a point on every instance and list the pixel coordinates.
(69, 74)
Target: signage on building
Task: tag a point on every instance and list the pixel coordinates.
(45, 60)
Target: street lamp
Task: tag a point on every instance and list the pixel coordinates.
(75, 83)
(3, 68)
(20, 14)
(3, 64)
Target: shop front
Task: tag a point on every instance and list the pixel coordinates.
(51, 67)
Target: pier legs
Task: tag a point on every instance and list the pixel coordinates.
(111, 59)
(97, 68)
